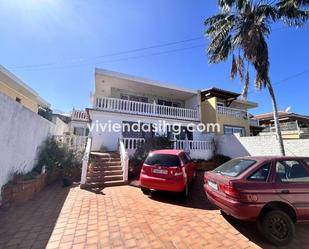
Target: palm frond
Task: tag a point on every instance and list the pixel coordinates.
(233, 68)
(267, 11)
(246, 86)
(220, 51)
(293, 12)
(240, 67)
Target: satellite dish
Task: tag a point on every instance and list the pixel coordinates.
(287, 109)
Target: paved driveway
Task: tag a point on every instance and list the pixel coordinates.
(122, 217)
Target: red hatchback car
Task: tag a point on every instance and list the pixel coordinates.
(271, 190)
(168, 170)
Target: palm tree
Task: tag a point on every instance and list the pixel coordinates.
(242, 28)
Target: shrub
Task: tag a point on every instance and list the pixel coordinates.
(57, 158)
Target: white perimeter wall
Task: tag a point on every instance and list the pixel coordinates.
(235, 146)
(21, 133)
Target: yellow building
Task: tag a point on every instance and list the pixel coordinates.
(13, 87)
(227, 110)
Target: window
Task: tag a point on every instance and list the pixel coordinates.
(134, 98)
(18, 100)
(234, 130)
(163, 160)
(78, 131)
(291, 171)
(261, 174)
(168, 103)
(220, 104)
(234, 167)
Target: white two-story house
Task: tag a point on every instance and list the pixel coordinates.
(126, 110)
(125, 99)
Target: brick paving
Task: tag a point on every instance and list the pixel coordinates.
(122, 217)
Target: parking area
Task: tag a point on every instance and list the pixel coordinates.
(122, 217)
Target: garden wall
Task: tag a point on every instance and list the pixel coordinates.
(235, 146)
(21, 133)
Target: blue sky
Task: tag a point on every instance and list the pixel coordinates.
(54, 46)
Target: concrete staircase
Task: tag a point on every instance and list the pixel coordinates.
(104, 170)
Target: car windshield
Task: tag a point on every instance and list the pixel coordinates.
(234, 167)
(162, 160)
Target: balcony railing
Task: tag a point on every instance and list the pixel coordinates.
(79, 115)
(140, 108)
(237, 113)
(288, 126)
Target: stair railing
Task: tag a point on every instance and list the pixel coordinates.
(85, 161)
(124, 160)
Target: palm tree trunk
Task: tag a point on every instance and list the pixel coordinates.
(276, 118)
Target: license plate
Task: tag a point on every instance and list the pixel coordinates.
(213, 185)
(160, 171)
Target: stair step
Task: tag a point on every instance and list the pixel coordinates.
(113, 172)
(104, 160)
(114, 183)
(112, 168)
(113, 178)
(99, 155)
(100, 163)
(95, 179)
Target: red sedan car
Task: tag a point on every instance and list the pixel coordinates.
(271, 190)
(168, 170)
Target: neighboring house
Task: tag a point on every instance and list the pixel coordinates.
(72, 128)
(13, 87)
(293, 126)
(226, 109)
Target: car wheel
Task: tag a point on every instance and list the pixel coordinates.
(185, 192)
(146, 191)
(278, 228)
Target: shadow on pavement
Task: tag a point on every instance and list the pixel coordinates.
(196, 199)
(30, 224)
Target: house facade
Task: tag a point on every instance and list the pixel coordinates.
(13, 87)
(148, 106)
(293, 125)
(227, 110)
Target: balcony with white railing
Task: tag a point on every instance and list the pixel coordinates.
(233, 112)
(146, 109)
(79, 115)
(288, 127)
